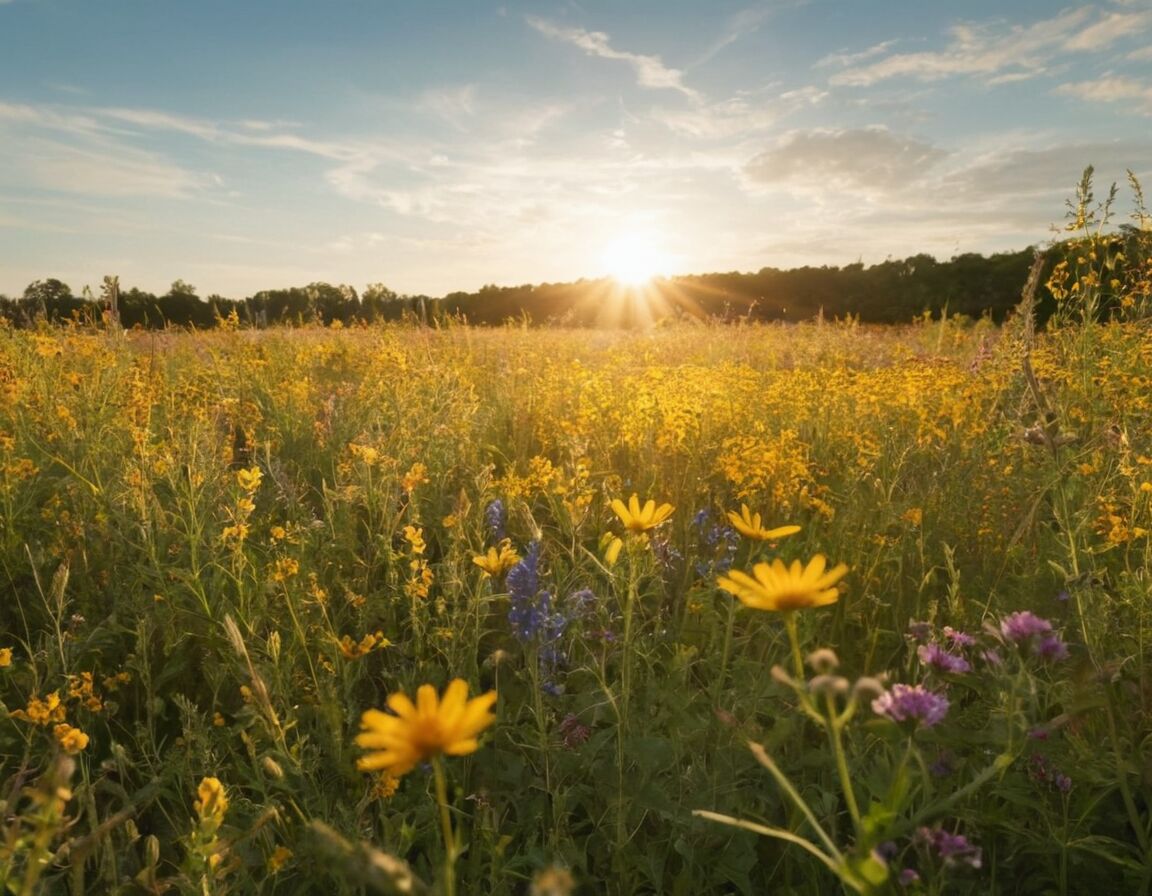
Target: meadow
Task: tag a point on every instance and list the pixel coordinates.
(882, 629)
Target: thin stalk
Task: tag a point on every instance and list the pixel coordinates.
(445, 827)
(836, 739)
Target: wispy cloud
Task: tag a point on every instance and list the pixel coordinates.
(1112, 89)
(999, 52)
(99, 171)
(738, 26)
(866, 160)
(844, 59)
(744, 115)
(1113, 27)
(650, 70)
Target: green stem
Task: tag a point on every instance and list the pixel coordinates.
(835, 737)
(794, 639)
(797, 800)
(445, 827)
(727, 651)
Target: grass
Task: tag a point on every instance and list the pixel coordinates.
(218, 550)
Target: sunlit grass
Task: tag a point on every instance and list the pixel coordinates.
(221, 550)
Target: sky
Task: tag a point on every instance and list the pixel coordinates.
(438, 146)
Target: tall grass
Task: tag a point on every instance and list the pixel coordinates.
(217, 550)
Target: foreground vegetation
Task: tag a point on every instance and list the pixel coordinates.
(222, 554)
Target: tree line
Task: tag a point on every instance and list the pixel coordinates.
(892, 291)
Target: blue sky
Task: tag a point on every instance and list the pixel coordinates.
(435, 146)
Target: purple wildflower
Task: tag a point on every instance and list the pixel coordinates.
(1022, 625)
(523, 585)
(573, 732)
(534, 619)
(940, 659)
(954, 849)
(581, 602)
(718, 544)
(908, 877)
(960, 639)
(1027, 629)
(904, 703)
(1050, 647)
(496, 518)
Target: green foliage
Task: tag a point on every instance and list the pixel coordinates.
(218, 549)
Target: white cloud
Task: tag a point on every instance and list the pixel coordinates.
(1113, 27)
(650, 70)
(743, 115)
(999, 52)
(99, 171)
(845, 59)
(1112, 89)
(868, 160)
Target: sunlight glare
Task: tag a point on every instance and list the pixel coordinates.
(633, 259)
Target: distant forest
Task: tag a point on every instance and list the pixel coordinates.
(889, 292)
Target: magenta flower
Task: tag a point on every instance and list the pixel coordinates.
(940, 659)
(1026, 629)
(1022, 625)
(904, 703)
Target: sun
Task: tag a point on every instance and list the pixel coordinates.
(633, 259)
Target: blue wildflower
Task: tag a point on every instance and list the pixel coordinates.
(497, 518)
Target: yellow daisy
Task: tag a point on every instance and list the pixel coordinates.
(417, 732)
(748, 524)
(637, 519)
(774, 586)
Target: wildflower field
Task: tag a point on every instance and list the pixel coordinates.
(706, 609)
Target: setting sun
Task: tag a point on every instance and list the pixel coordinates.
(633, 259)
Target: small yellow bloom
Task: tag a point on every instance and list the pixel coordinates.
(498, 560)
(213, 802)
(351, 649)
(41, 712)
(416, 476)
(72, 740)
(777, 587)
(384, 786)
(5, 656)
(417, 732)
(249, 480)
(748, 524)
(637, 519)
(611, 545)
(279, 858)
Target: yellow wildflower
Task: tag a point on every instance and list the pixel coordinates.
(71, 740)
(5, 656)
(384, 786)
(748, 524)
(249, 479)
(279, 858)
(213, 799)
(420, 731)
(637, 519)
(41, 712)
(416, 476)
(414, 535)
(353, 650)
(777, 587)
(498, 560)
